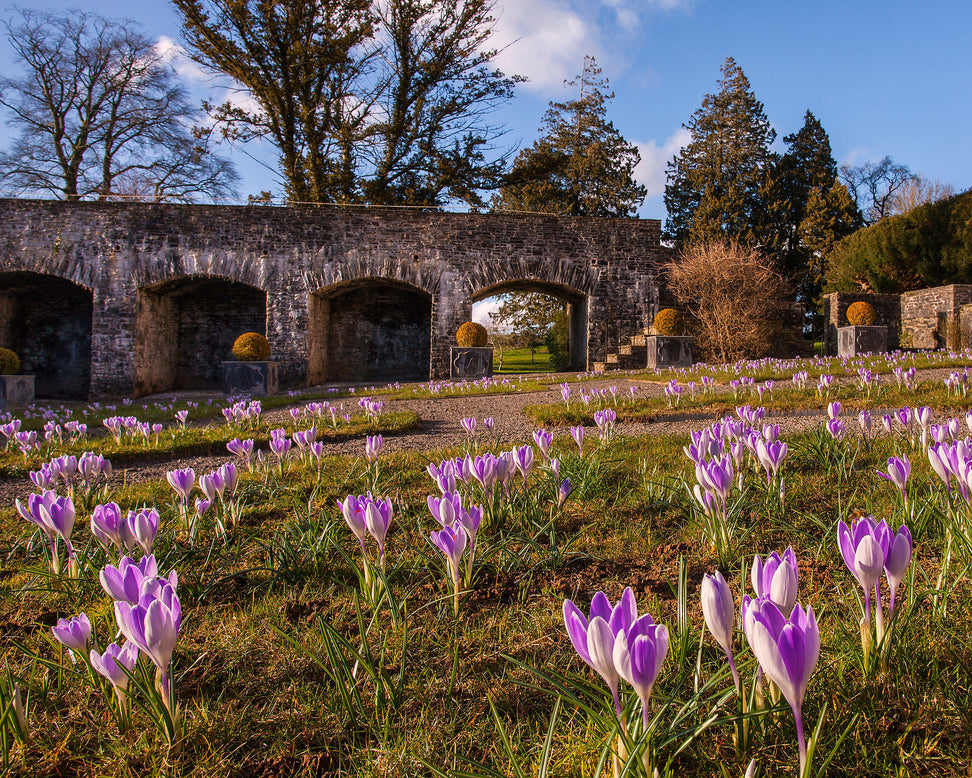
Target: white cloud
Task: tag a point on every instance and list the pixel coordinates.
(482, 310)
(175, 55)
(654, 158)
(544, 40)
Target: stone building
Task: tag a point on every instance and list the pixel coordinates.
(134, 298)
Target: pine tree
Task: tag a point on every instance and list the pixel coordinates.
(810, 211)
(581, 165)
(717, 184)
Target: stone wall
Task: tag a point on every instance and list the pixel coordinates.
(886, 306)
(930, 317)
(121, 254)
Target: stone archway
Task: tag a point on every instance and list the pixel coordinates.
(578, 311)
(369, 329)
(46, 320)
(186, 326)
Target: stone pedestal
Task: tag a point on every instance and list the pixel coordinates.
(250, 378)
(854, 341)
(16, 391)
(669, 351)
(470, 362)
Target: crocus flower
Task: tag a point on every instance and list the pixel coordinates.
(771, 455)
(833, 409)
(836, 429)
(593, 639)
(720, 615)
(110, 663)
(144, 527)
(638, 655)
(182, 482)
(373, 444)
(543, 439)
(124, 583)
(897, 560)
(74, 634)
(377, 517)
(776, 579)
(109, 526)
(899, 469)
(469, 425)
(864, 551)
(452, 542)
(787, 651)
(577, 433)
(564, 492)
(353, 513)
(523, 459)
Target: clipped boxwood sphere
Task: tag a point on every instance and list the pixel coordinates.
(669, 322)
(9, 362)
(251, 347)
(861, 314)
(471, 335)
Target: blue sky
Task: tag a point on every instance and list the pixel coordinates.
(884, 78)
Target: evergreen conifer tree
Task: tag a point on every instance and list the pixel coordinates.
(717, 184)
(581, 165)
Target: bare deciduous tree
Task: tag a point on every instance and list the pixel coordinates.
(101, 114)
(732, 296)
(874, 186)
(920, 191)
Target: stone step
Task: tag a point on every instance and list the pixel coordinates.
(638, 340)
(611, 358)
(599, 367)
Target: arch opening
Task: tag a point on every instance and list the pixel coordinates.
(577, 310)
(185, 327)
(46, 320)
(369, 329)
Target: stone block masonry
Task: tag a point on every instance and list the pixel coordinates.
(146, 297)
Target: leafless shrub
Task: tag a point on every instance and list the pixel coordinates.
(733, 298)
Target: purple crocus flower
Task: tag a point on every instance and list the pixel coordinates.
(124, 583)
(864, 551)
(523, 459)
(353, 513)
(445, 509)
(452, 543)
(110, 664)
(899, 469)
(182, 481)
(564, 492)
(373, 444)
(577, 433)
(897, 560)
(720, 614)
(109, 526)
(787, 651)
(469, 425)
(770, 455)
(74, 634)
(543, 439)
(638, 655)
(836, 429)
(377, 517)
(776, 579)
(144, 526)
(153, 626)
(593, 638)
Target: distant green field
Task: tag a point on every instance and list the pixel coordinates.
(518, 360)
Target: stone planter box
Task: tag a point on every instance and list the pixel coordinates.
(470, 362)
(16, 391)
(854, 341)
(669, 351)
(250, 378)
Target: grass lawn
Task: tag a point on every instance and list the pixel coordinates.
(292, 660)
(518, 360)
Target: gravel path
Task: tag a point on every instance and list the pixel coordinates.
(440, 427)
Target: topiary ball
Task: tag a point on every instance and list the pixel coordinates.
(669, 322)
(251, 347)
(9, 362)
(471, 335)
(861, 314)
